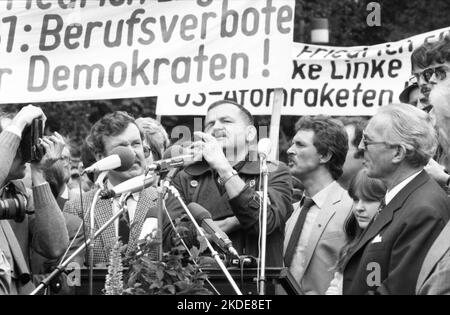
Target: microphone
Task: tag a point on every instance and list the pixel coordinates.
(132, 185)
(264, 148)
(120, 159)
(204, 218)
(165, 164)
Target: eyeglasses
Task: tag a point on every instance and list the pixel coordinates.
(440, 73)
(367, 142)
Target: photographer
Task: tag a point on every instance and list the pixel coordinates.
(44, 230)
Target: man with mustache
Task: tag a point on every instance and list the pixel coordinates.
(315, 231)
(115, 130)
(225, 181)
(398, 142)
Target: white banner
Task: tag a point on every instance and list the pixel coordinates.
(81, 50)
(347, 81)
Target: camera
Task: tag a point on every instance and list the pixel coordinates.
(13, 208)
(30, 148)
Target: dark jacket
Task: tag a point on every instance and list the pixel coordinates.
(198, 183)
(390, 252)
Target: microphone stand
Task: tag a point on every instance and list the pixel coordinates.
(100, 184)
(265, 174)
(63, 265)
(176, 194)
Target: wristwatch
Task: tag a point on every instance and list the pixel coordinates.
(223, 181)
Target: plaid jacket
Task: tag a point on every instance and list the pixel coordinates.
(146, 207)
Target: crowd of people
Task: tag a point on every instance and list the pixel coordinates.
(361, 207)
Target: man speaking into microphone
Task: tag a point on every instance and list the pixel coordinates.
(225, 181)
(118, 132)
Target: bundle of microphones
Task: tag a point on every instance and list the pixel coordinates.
(122, 158)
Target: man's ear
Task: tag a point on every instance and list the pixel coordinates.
(324, 159)
(251, 133)
(399, 155)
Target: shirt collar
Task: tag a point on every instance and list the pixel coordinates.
(394, 191)
(320, 197)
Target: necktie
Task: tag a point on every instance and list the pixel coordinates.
(124, 224)
(306, 204)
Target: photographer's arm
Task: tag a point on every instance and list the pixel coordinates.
(50, 236)
(9, 143)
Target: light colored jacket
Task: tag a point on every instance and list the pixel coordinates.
(326, 240)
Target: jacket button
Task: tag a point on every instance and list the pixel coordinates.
(194, 183)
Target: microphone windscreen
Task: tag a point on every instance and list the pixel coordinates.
(198, 212)
(264, 147)
(126, 156)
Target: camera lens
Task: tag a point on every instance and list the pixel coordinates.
(13, 208)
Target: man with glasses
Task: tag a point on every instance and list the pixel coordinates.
(398, 142)
(430, 64)
(434, 276)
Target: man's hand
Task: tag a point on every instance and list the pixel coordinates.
(54, 146)
(211, 151)
(229, 225)
(26, 115)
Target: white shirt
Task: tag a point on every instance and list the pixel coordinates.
(131, 206)
(298, 261)
(394, 191)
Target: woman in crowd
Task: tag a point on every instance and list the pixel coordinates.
(367, 194)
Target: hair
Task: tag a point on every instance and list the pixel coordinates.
(111, 124)
(411, 128)
(329, 137)
(359, 123)
(431, 52)
(55, 177)
(366, 188)
(245, 113)
(151, 127)
(361, 187)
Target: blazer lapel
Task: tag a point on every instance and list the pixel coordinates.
(103, 214)
(146, 207)
(436, 252)
(325, 214)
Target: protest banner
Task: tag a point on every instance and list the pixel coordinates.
(347, 81)
(65, 50)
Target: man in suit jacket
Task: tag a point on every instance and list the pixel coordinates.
(398, 142)
(315, 235)
(434, 277)
(111, 131)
